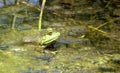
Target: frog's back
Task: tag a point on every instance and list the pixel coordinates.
(33, 38)
(28, 39)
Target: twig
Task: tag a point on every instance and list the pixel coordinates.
(14, 19)
(104, 33)
(40, 17)
(31, 5)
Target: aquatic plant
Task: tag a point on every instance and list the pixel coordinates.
(41, 13)
(13, 23)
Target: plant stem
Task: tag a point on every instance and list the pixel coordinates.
(40, 17)
(13, 24)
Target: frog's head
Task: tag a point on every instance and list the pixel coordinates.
(49, 37)
(49, 31)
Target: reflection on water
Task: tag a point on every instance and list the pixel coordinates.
(9, 2)
(35, 2)
(1, 3)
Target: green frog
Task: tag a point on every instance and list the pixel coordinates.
(44, 38)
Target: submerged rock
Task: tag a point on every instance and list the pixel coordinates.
(46, 57)
(116, 60)
(33, 71)
(106, 69)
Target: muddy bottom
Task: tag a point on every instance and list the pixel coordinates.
(67, 58)
(89, 40)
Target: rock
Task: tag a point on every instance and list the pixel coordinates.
(56, 71)
(116, 60)
(46, 57)
(106, 69)
(33, 71)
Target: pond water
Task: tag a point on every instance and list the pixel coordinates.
(79, 49)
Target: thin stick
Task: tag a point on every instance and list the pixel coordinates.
(13, 24)
(40, 17)
(4, 2)
(104, 33)
(30, 5)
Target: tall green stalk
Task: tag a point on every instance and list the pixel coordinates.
(41, 13)
(4, 2)
(13, 23)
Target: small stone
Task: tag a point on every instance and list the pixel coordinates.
(116, 60)
(106, 69)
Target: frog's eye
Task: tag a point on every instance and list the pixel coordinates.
(49, 30)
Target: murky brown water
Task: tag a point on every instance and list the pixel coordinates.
(79, 49)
